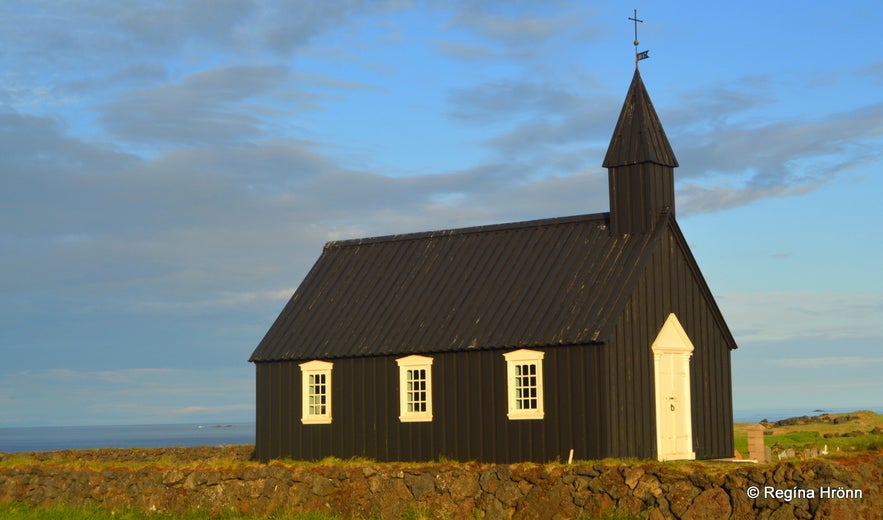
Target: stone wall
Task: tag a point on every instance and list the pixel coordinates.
(220, 479)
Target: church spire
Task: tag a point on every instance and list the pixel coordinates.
(640, 165)
(638, 136)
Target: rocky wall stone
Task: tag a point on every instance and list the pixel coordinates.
(224, 479)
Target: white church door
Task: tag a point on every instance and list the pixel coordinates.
(671, 358)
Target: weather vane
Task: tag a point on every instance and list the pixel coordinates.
(643, 55)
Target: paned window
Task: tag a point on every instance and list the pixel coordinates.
(415, 388)
(524, 371)
(316, 392)
(526, 386)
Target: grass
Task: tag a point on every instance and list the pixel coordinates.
(802, 436)
(796, 436)
(82, 459)
(25, 459)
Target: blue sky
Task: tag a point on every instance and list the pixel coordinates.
(171, 170)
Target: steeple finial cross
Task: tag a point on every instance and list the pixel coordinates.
(635, 19)
(638, 55)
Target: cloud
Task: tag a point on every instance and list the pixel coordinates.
(502, 100)
(33, 146)
(519, 33)
(740, 162)
(126, 396)
(730, 158)
(466, 51)
(83, 209)
(727, 157)
(540, 128)
(84, 51)
(216, 106)
(287, 26)
(709, 109)
(875, 70)
(62, 36)
(215, 411)
(131, 376)
(514, 29)
(204, 229)
(829, 362)
(807, 316)
(498, 21)
(224, 300)
(804, 393)
(807, 372)
(172, 28)
(136, 75)
(193, 228)
(160, 26)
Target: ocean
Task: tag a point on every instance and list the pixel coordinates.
(777, 414)
(51, 438)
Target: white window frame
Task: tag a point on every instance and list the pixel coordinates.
(513, 361)
(409, 364)
(315, 368)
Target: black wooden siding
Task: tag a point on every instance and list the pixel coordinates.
(671, 282)
(469, 410)
(637, 194)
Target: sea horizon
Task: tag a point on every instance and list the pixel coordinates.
(777, 414)
(15, 439)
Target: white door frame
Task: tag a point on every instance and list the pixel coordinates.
(672, 350)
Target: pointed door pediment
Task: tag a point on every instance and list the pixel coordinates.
(672, 350)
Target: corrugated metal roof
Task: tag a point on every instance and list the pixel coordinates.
(638, 136)
(526, 284)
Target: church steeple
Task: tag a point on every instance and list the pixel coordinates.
(640, 165)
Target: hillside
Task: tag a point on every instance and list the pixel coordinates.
(844, 433)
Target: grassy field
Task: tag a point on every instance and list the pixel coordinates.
(821, 432)
(814, 432)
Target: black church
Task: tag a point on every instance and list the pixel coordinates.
(513, 342)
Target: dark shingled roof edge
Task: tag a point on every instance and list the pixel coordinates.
(523, 284)
(487, 228)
